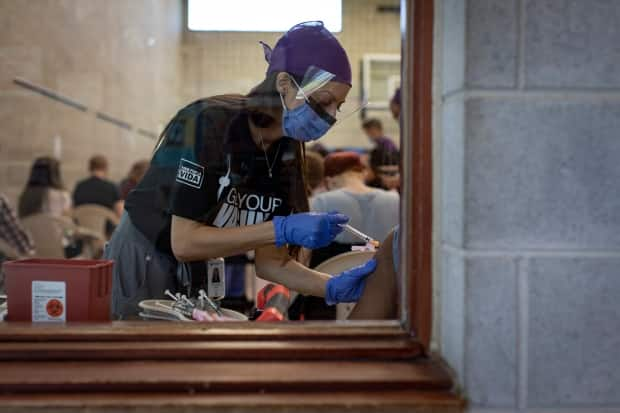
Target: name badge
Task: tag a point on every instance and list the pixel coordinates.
(216, 278)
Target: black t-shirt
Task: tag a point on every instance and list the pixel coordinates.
(207, 168)
(97, 191)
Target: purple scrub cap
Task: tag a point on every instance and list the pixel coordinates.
(306, 45)
(396, 97)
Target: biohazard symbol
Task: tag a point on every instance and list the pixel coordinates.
(54, 308)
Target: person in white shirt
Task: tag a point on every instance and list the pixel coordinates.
(371, 210)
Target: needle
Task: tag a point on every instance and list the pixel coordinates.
(360, 235)
(169, 294)
(210, 302)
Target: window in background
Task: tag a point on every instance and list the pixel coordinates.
(261, 16)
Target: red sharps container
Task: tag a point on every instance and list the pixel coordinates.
(56, 290)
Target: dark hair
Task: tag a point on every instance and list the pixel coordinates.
(264, 102)
(320, 149)
(98, 163)
(263, 105)
(383, 155)
(315, 170)
(372, 123)
(138, 169)
(44, 175)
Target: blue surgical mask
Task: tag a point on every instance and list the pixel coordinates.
(305, 123)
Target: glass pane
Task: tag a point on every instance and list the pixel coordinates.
(192, 158)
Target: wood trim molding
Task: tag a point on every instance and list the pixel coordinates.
(386, 401)
(417, 95)
(417, 238)
(183, 332)
(218, 376)
(249, 350)
(417, 123)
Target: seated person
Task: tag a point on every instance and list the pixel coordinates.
(384, 169)
(380, 299)
(395, 105)
(44, 192)
(11, 231)
(15, 242)
(373, 128)
(380, 293)
(135, 175)
(372, 211)
(97, 189)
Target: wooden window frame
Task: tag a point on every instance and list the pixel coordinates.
(315, 344)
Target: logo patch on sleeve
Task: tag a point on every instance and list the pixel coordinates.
(190, 173)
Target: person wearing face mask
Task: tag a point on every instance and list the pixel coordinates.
(226, 177)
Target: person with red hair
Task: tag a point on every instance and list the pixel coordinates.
(373, 211)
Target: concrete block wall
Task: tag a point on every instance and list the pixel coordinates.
(529, 113)
(220, 62)
(119, 57)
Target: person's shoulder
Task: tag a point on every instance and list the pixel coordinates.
(214, 106)
(387, 143)
(318, 201)
(53, 193)
(109, 186)
(385, 194)
(81, 183)
(109, 183)
(329, 196)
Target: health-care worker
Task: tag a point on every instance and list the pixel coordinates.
(226, 177)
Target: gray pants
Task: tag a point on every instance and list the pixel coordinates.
(140, 272)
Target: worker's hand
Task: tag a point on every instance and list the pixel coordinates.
(309, 229)
(348, 286)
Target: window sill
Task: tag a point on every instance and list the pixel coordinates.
(178, 367)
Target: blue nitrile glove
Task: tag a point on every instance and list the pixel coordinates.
(348, 286)
(308, 229)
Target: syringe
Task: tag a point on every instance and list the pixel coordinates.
(360, 235)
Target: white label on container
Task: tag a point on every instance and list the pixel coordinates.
(49, 301)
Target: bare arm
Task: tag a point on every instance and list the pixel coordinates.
(193, 241)
(305, 256)
(274, 264)
(118, 207)
(380, 298)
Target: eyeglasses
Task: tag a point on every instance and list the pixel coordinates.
(313, 80)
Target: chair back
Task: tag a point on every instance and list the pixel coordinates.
(47, 233)
(8, 251)
(94, 217)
